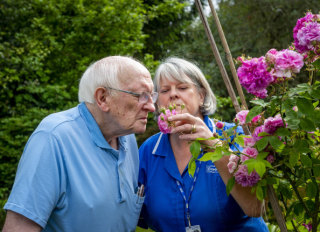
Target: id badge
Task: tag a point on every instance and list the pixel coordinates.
(195, 228)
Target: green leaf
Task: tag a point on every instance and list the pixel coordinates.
(276, 143)
(311, 189)
(305, 106)
(293, 158)
(192, 166)
(283, 132)
(195, 149)
(239, 140)
(262, 155)
(306, 161)
(230, 185)
(253, 112)
(260, 167)
(307, 125)
(260, 102)
(213, 156)
(301, 146)
(259, 193)
(262, 143)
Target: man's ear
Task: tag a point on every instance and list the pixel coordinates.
(102, 97)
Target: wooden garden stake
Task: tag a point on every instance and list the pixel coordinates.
(270, 191)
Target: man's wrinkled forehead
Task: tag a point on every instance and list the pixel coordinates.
(133, 71)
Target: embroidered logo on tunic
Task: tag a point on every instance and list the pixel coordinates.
(210, 168)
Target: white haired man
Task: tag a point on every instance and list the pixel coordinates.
(79, 169)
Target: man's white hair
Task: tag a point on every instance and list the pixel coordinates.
(106, 72)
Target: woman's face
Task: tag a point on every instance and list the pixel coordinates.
(178, 93)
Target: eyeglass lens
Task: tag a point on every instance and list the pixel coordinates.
(144, 97)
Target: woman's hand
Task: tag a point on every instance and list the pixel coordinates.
(190, 128)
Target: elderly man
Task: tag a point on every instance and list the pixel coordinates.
(79, 169)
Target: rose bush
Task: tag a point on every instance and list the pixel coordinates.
(283, 147)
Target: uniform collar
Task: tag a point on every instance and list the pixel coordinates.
(95, 132)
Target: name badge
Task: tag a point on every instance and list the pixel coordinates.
(195, 228)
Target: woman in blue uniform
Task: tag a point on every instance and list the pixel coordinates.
(175, 201)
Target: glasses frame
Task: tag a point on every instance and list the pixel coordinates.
(150, 95)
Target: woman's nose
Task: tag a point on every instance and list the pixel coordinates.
(173, 94)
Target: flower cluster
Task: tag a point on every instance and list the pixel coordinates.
(254, 77)
(306, 34)
(257, 74)
(237, 165)
(166, 126)
(283, 64)
(242, 115)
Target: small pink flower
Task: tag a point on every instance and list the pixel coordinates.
(241, 116)
(244, 179)
(272, 124)
(164, 125)
(257, 131)
(270, 158)
(250, 152)
(249, 142)
(256, 118)
(254, 76)
(233, 163)
(308, 226)
(295, 108)
(219, 125)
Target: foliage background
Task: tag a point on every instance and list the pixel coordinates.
(45, 45)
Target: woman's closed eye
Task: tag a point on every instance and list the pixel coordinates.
(164, 90)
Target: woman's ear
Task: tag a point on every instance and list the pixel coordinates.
(202, 96)
(102, 98)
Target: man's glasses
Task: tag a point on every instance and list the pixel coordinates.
(143, 97)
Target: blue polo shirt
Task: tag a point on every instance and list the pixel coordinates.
(70, 179)
(210, 207)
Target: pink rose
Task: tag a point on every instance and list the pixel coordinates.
(250, 152)
(219, 125)
(244, 179)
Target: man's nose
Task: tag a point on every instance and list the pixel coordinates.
(149, 106)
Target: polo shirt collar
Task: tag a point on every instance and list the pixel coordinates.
(94, 129)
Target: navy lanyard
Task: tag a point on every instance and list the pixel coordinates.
(191, 189)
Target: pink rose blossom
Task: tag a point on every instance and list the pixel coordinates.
(243, 178)
(233, 163)
(254, 77)
(256, 132)
(308, 226)
(287, 62)
(270, 158)
(272, 124)
(219, 125)
(250, 152)
(303, 34)
(164, 125)
(256, 118)
(283, 64)
(241, 116)
(249, 142)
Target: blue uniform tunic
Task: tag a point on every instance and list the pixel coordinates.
(210, 207)
(70, 179)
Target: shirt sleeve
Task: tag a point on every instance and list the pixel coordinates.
(38, 184)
